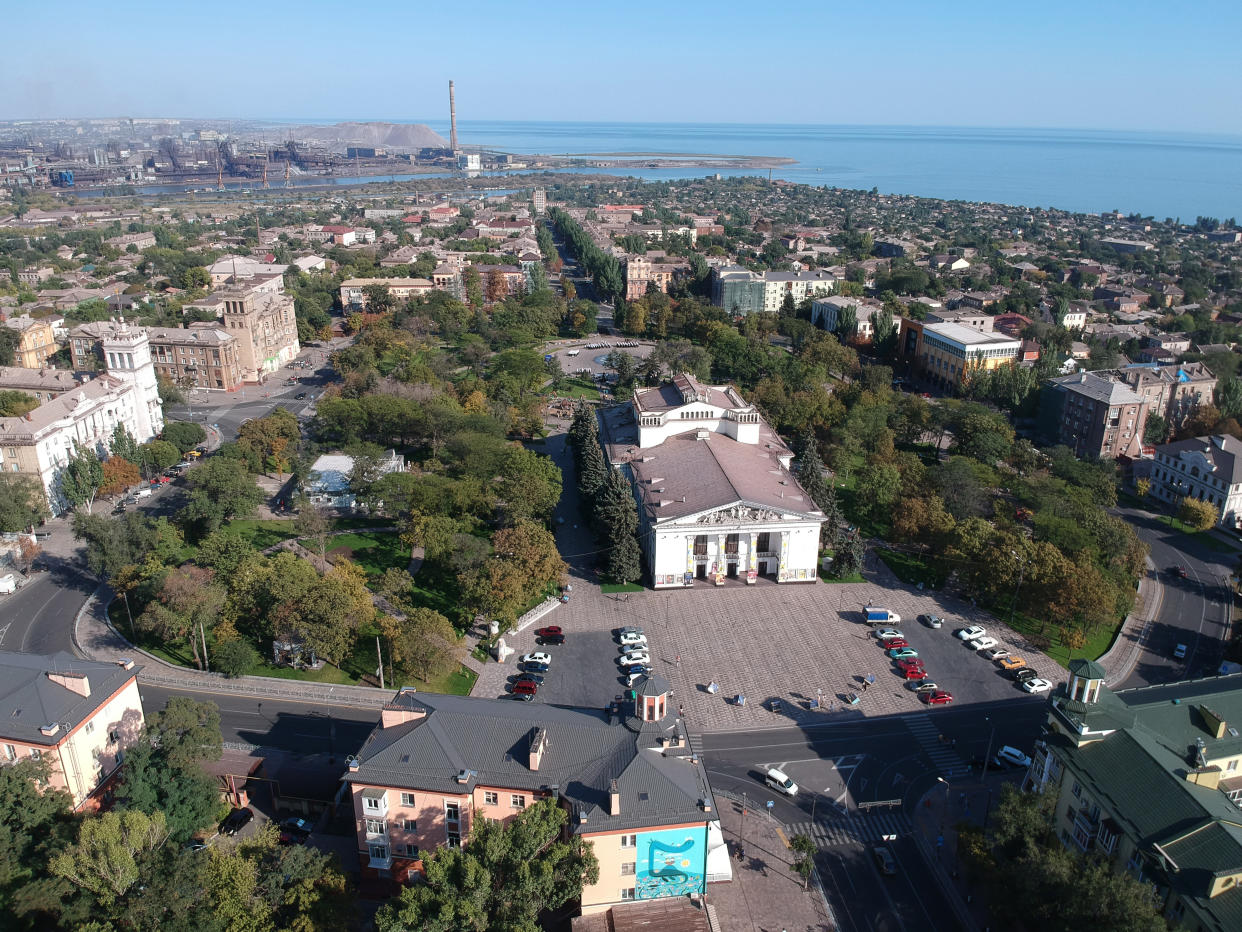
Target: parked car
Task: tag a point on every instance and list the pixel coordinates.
(932, 621)
(936, 696)
(531, 666)
(894, 643)
(551, 639)
(632, 678)
(635, 656)
(1026, 673)
(236, 820)
(629, 629)
(916, 685)
(522, 697)
(633, 640)
(549, 631)
(525, 687)
(884, 860)
(1178, 571)
(1179, 652)
(996, 653)
(535, 657)
(909, 662)
(142, 493)
(294, 831)
(927, 686)
(971, 633)
(983, 643)
(536, 678)
(1012, 663)
(642, 668)
(902, 653)
(1036, 685)
(887, 634)
(1011, 757)
(184, 464)
(780, 782)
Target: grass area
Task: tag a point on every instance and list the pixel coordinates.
(852, 578)
(262, 534)
(1031, 628)
(578, 388)
(1129, 498)
(1207, 538)
(912, 569)
(457, 683)
(620, 587)
(374, 552)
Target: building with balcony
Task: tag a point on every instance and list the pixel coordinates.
(200, 356)
(632, 787)
(826, 314)
(36, 341)
(260, 316)
(1150, 779)
(1206, 468)
(716, 499)
(78, 715)
(1093, 416)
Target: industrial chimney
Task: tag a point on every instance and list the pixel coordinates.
(452, 120)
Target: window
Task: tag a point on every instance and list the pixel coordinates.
(491, 799)
(10, 752)
(374, 826)
(114, 737)
(452, 813)
(379, 852)
(411, 851)
(89, 727)
(409, 825)
(700, 545)
(453, 840)
(629, 841)
(407, 799)
(36, 754)
(627, 893)
(628, 869)
(372, 803)
(1076, 789)
(517, 801)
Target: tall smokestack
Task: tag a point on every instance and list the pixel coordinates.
(452, 119)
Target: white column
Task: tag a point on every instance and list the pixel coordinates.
(721, 566)
(752, 558)
(783, 551)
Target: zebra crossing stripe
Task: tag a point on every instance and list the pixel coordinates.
(853, 829)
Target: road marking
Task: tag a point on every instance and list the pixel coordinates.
(4, 631)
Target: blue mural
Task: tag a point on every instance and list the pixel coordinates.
(671, 863)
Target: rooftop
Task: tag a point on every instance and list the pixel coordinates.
(31, 700)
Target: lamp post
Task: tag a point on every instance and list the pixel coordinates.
(988, 756)
(1021, 572)
(945, 808)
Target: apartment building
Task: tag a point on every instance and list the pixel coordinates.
(78, 715)
(1150, 779)
(742, 291)
(354, 297)
(42, 384)
(34, 276)
(632, 786)
(260, 316)
(641, 272)
(826, 314)
(1174, 391)
(139, 241)
(1206, 468)
(36, 342)
(200, 356)
(1094, 416)
(947, 353)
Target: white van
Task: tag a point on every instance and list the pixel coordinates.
(142, 493)
(779, 782)
(1011, 756)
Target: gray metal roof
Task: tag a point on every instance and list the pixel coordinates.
(30, 700)
(461, 742)
(1223, 451)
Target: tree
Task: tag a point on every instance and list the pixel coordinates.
(1156, 430)
(876, 488)
(529, 486)
(1199, 515)
(616, 516)
(313, 522)
(106, 856)
(184, 435)
(118, 475)
(884, 333)
(424, 644)
(1142, 487)
(805, 848)
(220, 489)
(123, 444)
(271, 436)
(378, 298)
(234, 657)
(1228, 398)
(16, 404)
(848, 558)
(159, 455)
(503, 878)
(36, 821)
(81, 478)
(22, 502)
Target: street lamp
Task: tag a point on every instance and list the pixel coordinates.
(988, 756)
(945, 808)
(1021, 571)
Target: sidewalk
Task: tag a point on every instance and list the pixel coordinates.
(96, 639)
(1127, 646)
(766, 892)
(936, 817)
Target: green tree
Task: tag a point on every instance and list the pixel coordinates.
(876, 488)
(123, 444)
(16, 404)
(616, 516)
(804, 848)
(848, 558)
(184, 435)
(1199, 515)
(220, 489)
(423, 644)
(81, 478)
(1156, 430)
(529, 485)
(234, 657)
(503, 878)
(1228, 398)
(105, 860)
(22, 502)
(158, 455)
(884, 334)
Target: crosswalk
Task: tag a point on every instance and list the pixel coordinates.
(852, 829)
(927, 735)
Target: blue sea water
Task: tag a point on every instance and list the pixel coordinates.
(1158, 174)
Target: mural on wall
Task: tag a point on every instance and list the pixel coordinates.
(670, 863)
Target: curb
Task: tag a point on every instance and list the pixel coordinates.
(1133, 650)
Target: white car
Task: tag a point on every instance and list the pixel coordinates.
(536, 657)
(633, 678)
(632, 639)
(983, 643)
(634, 656)
(996, 653)
(888, 634)
(1036, 685)
(971, 633)
(779, 782)
(1011, 756)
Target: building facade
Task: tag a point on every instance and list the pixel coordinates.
(641, 272)
(826, 314)
(191, 357)
(1206, 468)
(1150, 779)
(947, 353)
(263, 322)
(716, 499)
(354, 296)
(1175, 392)
(634, 790)
(36, 342)
(1094, 416)
(78, 715)
(741, 291)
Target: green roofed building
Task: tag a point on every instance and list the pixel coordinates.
(1151, 778)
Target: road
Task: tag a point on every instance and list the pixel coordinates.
(1194, 611)
(864, 761)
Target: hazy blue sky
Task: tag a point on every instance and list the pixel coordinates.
(1139, 64)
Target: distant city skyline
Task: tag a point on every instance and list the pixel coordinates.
(1099, 65)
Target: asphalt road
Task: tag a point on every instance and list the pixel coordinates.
(839, 766)
(1194, 611)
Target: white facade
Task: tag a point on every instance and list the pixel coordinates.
(800, 285)
(1206, 468)
(826, 313)
(741, 542)
(127, 355)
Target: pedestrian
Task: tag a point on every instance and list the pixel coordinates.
(677, 660)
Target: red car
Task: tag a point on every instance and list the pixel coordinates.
(549, 631)
(938, 697)
(895, 643)
(525, 687)
(909, 663)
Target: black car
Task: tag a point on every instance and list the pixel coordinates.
(532, 667)
(535, 678)
(636, 668)
(236, 820)
(294, 831)
(1024, 674)
(550, 639)
(299, 396)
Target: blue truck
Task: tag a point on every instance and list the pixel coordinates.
(881, 616)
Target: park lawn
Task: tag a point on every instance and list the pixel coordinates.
(912, 569)
(611, 587)
(262, 534)
(457, 683)
(578, 388)
(1097, 642)
(374, 552)
(833, 580)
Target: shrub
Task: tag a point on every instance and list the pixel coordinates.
(233, 658)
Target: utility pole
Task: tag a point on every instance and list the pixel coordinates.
(379, 654)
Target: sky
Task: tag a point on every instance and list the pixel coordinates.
(1138, 65)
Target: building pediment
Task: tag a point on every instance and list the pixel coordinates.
(741, 513)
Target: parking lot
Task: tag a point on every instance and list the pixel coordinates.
(790, 643)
